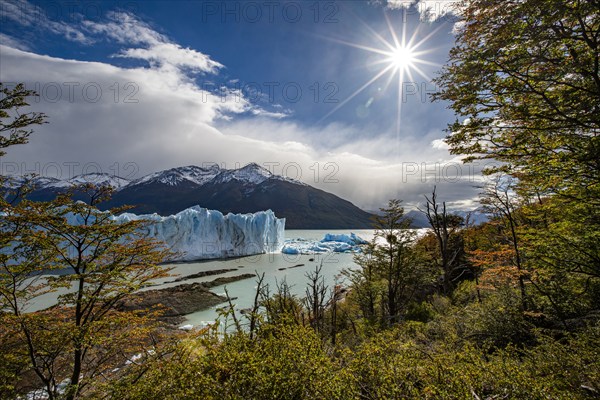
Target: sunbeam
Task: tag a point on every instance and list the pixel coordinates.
(401, 58)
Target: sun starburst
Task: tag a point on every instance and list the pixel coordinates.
(400, 59)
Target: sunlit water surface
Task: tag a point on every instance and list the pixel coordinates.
(277, 268)
(292, 269)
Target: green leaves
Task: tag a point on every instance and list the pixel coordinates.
(525, 74)
(12, 123)
(100, 263)
(524, 81)
(282, 362)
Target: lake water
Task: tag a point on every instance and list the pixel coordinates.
(276, 267)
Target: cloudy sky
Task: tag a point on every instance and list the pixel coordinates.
(334, 93)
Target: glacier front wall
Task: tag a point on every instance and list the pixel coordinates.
(198, 233)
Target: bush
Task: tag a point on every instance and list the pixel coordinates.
(283, 362)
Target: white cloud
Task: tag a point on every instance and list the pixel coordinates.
(177, 64)
(122, 27)
(139, 120)
(12, 42)
(172, 54)
(431, 10)
(27, 14)
(439, 144)
(157, 49)
(126, 29)
(167, 128)
(365, 169)
(261, 112)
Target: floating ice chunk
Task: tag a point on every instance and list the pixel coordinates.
(351, 239)
(291, 248)
(337, 243)
(187, 327)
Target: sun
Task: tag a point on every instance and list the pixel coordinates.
(402, 58)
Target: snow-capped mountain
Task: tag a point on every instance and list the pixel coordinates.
(248, 189)
(42, 182)
(98, 179)
(251, 173)
(176, 176)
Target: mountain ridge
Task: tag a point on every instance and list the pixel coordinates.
(248, 189)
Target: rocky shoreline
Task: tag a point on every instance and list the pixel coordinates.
(178, 301)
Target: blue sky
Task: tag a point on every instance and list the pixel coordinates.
(138, 86)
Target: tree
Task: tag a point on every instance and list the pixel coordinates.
(389, 274)
(14, 128)
(395, 259)
(525, 78)
(499, 201)
(100, 262)
(282, 307)
(450, 247)
(13, 131)
(315, 301)
(87, 260)
(365, 285)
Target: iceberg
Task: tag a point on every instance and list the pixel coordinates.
(337, 243)
(198, 233)
(351, 239)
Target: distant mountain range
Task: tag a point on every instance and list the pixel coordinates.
(244, 190)
(419, 220)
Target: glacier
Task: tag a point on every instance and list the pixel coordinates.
(198, 233)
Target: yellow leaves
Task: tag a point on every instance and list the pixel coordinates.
(106, 260)
(495, 278)
(290, 362)
(504, 256)
(497, 267)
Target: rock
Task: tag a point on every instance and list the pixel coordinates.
(175, 301)
(227, 279)
(202, 274)
(180, 300)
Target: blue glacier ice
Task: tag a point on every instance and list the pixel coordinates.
(351, 239)
(337, 243)
(198, 233)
